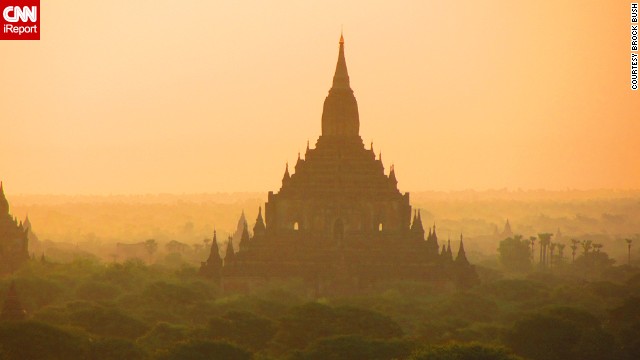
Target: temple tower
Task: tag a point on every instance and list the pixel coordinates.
(339, 192)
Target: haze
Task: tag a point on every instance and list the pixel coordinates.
(161, 96)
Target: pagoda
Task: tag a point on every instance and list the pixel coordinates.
(338, 221)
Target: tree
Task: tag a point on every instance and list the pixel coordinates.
(560, 333)
(151, 246)
(514, 254)
(206, 350)
(574, 249)
(586, 246)
(175, 246)
(38, 341)
(243, 328)
(313, 321)
(594, 261)
(107, 321)
(115, 349)
(355, 347)
(545, 241)
(629, 241)
(464, 352)
(163, 335)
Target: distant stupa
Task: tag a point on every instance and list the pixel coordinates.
(237, 235)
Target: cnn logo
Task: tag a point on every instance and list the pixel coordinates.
(20, 20)
(15, 13)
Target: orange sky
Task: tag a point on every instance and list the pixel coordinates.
(208, 96)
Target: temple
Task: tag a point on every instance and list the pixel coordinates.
(338, 221)
(13, 238)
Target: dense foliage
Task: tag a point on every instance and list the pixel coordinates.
(90, 310)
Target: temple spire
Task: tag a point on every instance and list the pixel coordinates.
(230, 253)
(214, 254)
(341, 76)
(285, 177)
(462, 256)
(340, 112)
(244, 239)
(259, 228)
(392, 176)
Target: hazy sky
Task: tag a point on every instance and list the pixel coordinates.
(208, 96)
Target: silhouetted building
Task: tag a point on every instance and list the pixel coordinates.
(12, 309)
(13, 238)
(212, 268)
(239, 233)
(507, 232)
(338, 221)
(463, 277)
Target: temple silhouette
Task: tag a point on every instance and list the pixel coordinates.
(14, 238)
(338, 221)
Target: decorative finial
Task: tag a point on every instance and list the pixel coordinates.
(341, 37)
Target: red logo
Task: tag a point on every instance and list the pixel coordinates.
(20, 20)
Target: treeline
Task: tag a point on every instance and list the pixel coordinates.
(91, 310)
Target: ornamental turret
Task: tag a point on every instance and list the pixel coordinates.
(259, 228)
(213, 266)
(230, 255)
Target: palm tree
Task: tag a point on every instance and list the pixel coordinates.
(151, 246)
(532, 239)
(629, 241)
(586, 246)
(574, 248)
(597, 247)
(545, 240)
(561, 252)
